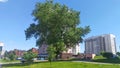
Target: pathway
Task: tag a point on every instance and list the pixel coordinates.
(0, 65)
(95, 62)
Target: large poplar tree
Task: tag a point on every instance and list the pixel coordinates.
(57, 25)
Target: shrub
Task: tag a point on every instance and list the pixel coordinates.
(118, 53)
(28, 56)
(107, 55)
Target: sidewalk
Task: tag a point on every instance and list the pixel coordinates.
(0, 65)
(96, 62)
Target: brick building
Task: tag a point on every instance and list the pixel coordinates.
(34, 50)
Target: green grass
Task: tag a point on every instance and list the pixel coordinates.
(61, 64)
(99, 57)
(8, 61)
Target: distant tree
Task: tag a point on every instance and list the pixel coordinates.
(107, 55)
(12, 56)
(78, 53)
(56, 24)
(28, 56)
(118, 53)
(101, 53)
(6, 54)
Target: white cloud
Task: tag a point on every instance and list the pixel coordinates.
(3, 0)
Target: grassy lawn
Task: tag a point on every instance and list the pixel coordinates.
(99, 57)
(61, 64)
(8, 61)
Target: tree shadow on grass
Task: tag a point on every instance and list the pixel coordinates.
(112, 60)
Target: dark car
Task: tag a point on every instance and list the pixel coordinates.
(23, 60)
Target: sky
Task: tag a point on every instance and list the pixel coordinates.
(103, 17)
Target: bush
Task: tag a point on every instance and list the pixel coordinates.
(118, 53)
(107, 55)
(28, 56)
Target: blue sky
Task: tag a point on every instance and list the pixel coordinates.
(103, 16)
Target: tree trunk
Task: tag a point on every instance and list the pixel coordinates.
(56, 57)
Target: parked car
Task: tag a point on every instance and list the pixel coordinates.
(23, 60)
(19, 58)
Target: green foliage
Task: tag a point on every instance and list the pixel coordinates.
(101, 53)
(28, 56)
(6, 54)
(57, 25)
(118, 53)
(59, 48)
(78, 53)
(51, 53)
(105, 60)
(108, 55)
(11, 56)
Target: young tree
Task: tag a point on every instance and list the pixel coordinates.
(28, 56)
(56, 24)
(51, 53)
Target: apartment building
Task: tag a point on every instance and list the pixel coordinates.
(18, 53)
(102, 43)
(34, 50)
(72, 50)
(42, 51)
(2, 51)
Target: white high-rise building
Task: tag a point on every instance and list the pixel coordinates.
(1, 49)
(102, 43)
(74, 50)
